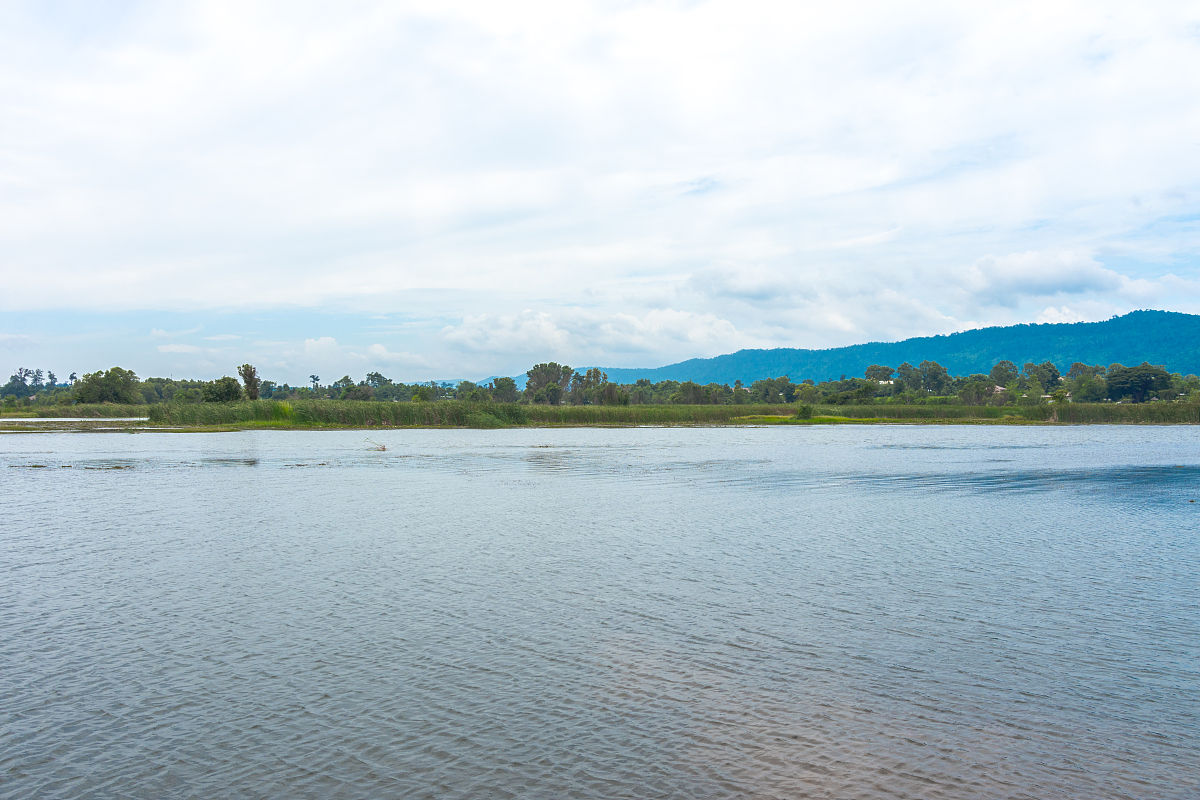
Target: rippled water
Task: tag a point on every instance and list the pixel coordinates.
(874, 612)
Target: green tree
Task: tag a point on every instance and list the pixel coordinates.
(18, 383)
(542, 376)
(773, 390)
(642, 392)
(1136, 383)
(1080, 370)
(1004, 373)
(113, 385)
(250, 380)
(976, 390)
(223, 390)
(473, 392)
(935, 379)
(909, 378)
(504, 390)
(425, 393)
(1045, 373)
(689, 393)
(879, 373)
(1089, 389)
(585, 388)
(610, 394)
(360, 392)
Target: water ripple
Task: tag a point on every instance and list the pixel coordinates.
(585, 614)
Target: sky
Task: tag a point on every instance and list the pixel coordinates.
(441, 190)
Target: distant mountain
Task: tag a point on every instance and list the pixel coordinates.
(1164, 338)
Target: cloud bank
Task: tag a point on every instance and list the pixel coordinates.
(625, 185)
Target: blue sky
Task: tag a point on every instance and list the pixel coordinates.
(459, 190)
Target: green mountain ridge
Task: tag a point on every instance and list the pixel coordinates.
(1166, 338)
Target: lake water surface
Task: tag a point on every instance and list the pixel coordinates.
(783, 612)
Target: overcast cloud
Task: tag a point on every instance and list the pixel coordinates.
(445, 190)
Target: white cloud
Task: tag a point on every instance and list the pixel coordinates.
(323, 348)
(1059, 314)
(580, 335)
(1007, 280)
(640, 175)
(159, 333)
(380, 355)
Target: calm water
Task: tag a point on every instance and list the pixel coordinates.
(846, 612)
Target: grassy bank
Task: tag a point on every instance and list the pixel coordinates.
(343, 414)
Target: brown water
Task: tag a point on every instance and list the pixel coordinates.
(879, 612)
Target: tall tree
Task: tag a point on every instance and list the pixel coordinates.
(1045, 373)
(977, 390)
(542, 377)
(1080, 370)
(934, 377)
(504, 390)
(250, 380)
(879, 373)
(909, 377)
(1004, 373)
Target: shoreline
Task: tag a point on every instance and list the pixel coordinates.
(99, 425)
(370, 415)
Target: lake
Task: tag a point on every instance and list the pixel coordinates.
(778, 612)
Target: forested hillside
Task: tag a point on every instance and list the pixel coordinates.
(1160, 337)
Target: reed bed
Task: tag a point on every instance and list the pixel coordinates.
(97, 410)
(339, 413)
(451, 413)
(1145, 413)
(939, 412)
(443, 413)
(650, 414)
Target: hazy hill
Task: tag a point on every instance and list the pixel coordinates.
(1160, 337)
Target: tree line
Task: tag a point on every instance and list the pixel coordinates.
(552, 383)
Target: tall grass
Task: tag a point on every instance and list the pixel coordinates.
(1071, 413)
(450, 413)
(1153, 413)
(445, 413)
(939, 412)
(340, 413)
(98, 410)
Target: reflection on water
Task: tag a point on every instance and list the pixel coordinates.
(778, 612)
